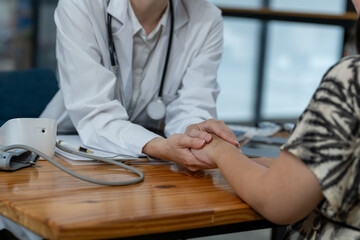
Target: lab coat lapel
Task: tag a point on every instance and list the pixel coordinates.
(123, 39)
(150, 87)
(181, 15)
(177, 49)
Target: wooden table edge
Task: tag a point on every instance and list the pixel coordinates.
(136, 227)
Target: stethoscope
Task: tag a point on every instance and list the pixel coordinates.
(156, 108)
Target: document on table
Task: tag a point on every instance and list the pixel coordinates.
(78, 160)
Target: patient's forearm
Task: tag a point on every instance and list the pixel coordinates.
(243, 174)
(283, 193)
(264, 161)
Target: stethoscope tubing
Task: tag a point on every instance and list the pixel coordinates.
(112, 50)
(168, 49)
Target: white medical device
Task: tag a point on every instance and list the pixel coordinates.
(24, 140)
(39, 133)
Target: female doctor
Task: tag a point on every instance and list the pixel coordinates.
(131, 68)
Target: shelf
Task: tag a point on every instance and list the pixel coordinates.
(346, 20)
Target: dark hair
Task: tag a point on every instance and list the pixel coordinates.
(357, 35)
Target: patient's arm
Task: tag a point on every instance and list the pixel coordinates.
(264, 161)
(283, 193)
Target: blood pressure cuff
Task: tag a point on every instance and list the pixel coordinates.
(16, 159)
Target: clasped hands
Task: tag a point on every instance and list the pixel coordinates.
(192, 148)
(199, 141)
(209, 131)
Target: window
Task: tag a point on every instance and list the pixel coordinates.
(16, 31)
(296, 57)
(310, 6)
(236, 75)
(27, 34)
(238, 3)
(46, 36)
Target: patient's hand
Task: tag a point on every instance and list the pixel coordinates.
(206, 129)
(177, 148)
(211, 151)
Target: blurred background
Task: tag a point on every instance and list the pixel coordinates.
(275, 51)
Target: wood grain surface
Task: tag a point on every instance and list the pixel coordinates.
(56, 205)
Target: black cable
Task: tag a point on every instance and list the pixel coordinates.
(112, 50)
(169, 47)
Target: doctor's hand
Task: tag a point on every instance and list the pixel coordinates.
(205, 129)
(177, 148)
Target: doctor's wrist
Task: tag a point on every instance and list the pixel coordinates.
(155, 147)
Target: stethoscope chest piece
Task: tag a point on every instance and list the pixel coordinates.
(156, 109)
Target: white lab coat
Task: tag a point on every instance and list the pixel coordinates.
(87, 101)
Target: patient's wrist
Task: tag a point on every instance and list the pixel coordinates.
(219, 150)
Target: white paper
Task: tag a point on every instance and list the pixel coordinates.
(75, 140)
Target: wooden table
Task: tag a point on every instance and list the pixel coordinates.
(171, 200)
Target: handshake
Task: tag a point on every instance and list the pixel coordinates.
(196, 148)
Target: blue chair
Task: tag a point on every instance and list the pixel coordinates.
(25, 93)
